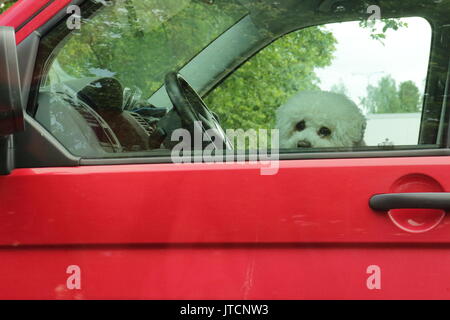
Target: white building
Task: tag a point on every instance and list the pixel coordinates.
(393, 128)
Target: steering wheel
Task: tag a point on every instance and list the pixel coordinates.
(193, 112)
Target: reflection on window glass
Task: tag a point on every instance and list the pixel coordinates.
(138, 42)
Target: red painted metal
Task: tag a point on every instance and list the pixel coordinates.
(25, 17)
(217, 231)
(416, 220)
(321, 201)
(20, 12)
(217, 272)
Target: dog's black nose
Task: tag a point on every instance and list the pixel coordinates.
(304, 144)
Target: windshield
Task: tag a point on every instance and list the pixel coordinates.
(138, 42)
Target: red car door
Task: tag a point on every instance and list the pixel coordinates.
(117, 229)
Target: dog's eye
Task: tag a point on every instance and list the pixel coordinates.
(300, 126)
(324, 132)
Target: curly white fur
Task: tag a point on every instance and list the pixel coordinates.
(317, 110)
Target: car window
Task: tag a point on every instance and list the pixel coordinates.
(358, 85)
(336, 85)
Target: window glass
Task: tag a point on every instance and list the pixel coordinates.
(385, 77)
(332, 80)
(357, 85)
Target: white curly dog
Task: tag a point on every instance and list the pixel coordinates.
(320, 119)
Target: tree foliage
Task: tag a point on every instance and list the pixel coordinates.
(138, 42)
(387, 97)
(249, 97)
(4, 5)
(340, 88)
(379, 28)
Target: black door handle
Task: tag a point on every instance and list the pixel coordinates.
(385, 202)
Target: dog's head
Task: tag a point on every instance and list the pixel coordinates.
(319, 119)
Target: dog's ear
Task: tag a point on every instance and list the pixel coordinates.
(350, 133)
(283, 119)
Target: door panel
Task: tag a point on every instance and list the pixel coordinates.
(226, 272)
(322, 201)
(217, 231)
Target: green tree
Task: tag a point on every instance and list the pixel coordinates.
(409, 96)
(249, 98)
(379, 28)
(5, 4)
(387, 98)
(382, 98)
(340, 88)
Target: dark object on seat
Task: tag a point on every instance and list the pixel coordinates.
(103, 93)
(105, 97)
(151, 111)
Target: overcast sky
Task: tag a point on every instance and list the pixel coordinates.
(360, 60)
